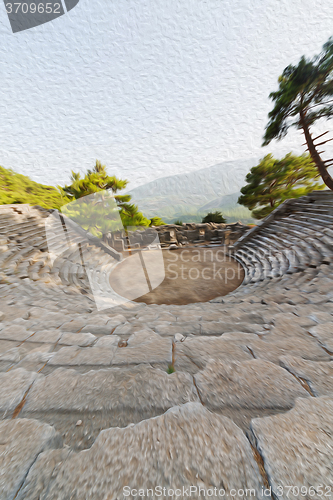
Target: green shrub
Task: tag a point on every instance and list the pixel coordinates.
(156, 221)
(216, 217)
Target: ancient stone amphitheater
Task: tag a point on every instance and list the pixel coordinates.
(231, 398)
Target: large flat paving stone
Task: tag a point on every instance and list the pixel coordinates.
(35, 361)
(41, 472)
(74, 326)
(187, 446)
(297, 447)
(318, 374)
(272, 348)
(141, 387)
(105, 398)
(15, 332)
(249, 384)
(80, 339)
(146, 349)
(321, 316)
(193, 354)
(219, 327)
(10, 358)
(54, 319)
(6, 345)
(13, 386)
(21, 441)
(158, 350)
(290, 324)
(235, 315)
(108, 340)
(89, 356)
(46, 336)
(104, 326)
(324, 333)
(165, 328)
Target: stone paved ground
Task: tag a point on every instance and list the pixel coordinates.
(230, 395)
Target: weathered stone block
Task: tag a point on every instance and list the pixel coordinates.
(13, 386)
(297, 447)
(250, 384)
(186, 446)
(318, 374)
(21, 442)
(324, 333)
(194, 353)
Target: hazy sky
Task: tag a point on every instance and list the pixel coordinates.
(150, 88)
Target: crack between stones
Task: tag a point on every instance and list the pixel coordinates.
(198, 392)
(192, 361)
(25, 477)
(302, 382)
(306, 386)
(173, 355)
(26, 339)
(42, 368)
(251, 352)
(19, 407)
(320, 344)
(260, 462)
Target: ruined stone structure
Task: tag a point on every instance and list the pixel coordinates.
(189, 234)
(199, 234)
(229, 396)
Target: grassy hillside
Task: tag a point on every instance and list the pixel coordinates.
(17, 188)
(232, 213)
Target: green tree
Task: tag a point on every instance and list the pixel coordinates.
(178, 222)
(273, 181)
(156, 221)
(216, 217)
(131, 216)
(95, 181)
(97, 213)
(305, 95)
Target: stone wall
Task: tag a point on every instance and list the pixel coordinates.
(198, 234)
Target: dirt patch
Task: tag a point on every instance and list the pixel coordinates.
(191, 275)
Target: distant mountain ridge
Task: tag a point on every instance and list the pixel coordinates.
(193, 194)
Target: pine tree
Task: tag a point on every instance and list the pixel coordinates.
(156, 221)
(273, 181)
(304, 96)
(104, 218)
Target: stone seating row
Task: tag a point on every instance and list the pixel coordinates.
(298, 234)
(25, 251)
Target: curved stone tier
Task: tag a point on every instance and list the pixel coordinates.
(295, 236)
(231, 396)
(24, 253)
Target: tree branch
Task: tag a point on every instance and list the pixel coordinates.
(320, 104)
